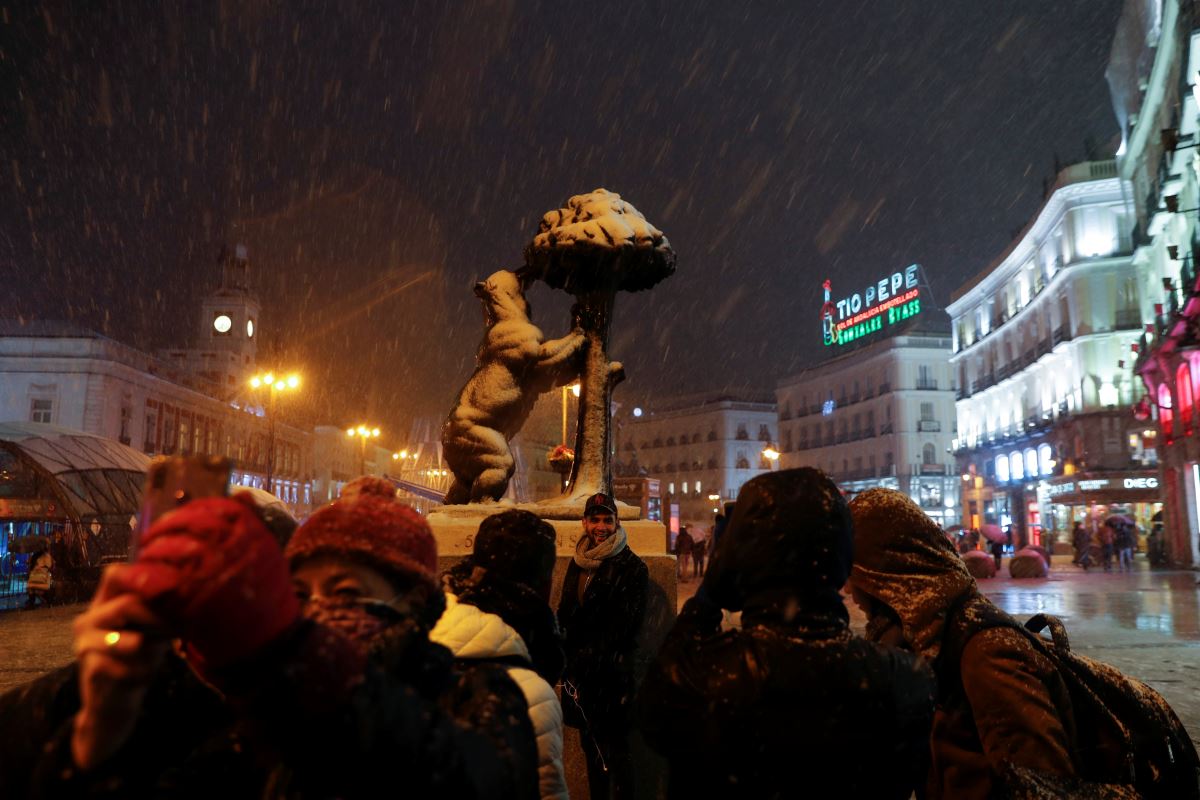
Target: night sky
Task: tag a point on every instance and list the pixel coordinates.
(378, 158)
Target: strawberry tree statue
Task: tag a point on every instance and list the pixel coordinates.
(592, 248)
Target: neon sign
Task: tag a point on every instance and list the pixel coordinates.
(883, 303)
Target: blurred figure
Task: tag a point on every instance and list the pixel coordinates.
(39, 582)
(1001, 703)
(791, 703)
(699, 553)
(1125, 542)
(683, 552)
(601, 610)
(1108, 538)
(1080, 541)
(498, 612)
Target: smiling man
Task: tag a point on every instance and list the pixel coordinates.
(603, 603)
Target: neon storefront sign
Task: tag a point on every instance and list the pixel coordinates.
(883, 303)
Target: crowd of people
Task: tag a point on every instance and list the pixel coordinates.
(232, 657)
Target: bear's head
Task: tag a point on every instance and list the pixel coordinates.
(503, 296)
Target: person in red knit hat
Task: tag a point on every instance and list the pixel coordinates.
(301, 709)
(366, 566)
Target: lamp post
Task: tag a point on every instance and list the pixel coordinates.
(363, 433)
(275, 385)
(771, 455)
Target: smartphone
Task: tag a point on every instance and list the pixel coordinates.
(172, 481)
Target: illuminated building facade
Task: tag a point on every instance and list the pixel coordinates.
(1041, 343)
(701, 445)
(1153, 77)
(880, 410)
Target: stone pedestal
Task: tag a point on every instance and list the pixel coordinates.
(455, 534)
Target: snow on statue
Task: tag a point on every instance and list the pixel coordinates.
(515, 365)
(593, 247)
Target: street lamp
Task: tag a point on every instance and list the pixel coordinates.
(275, 385)
(574, 389)
(363, 433)
(770, 454)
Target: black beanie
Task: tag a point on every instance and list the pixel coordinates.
(517, 546)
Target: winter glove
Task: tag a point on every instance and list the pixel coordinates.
(212, 571)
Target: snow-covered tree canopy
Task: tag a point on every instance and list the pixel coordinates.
(598, 241)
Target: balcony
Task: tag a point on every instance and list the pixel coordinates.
(885, 387)
(932, 469)
(885, 429)
(927, 384)
(1128, 319)
(961, 393)
(929, 426)
(1062, 334)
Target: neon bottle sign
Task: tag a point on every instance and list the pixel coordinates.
(883, 303)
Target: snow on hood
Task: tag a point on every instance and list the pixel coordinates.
(790, 534)
(470, 633)
(902, 557)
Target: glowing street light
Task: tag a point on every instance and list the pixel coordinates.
(770, 453)
(363, 433)
(275, 386)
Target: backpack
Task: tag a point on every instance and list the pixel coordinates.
(39, 578)
(1125, 732)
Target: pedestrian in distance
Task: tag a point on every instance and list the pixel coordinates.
(498, 612)
(601, 612)
(40, 580)
(790, 703)
(684, 544)
(699, 554)
(1125, 542)
(1108, 538)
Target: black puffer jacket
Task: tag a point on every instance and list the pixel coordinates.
(601, 636)
(791, 704)
(288, 727)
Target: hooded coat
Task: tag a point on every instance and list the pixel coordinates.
(791, 704)
(1000, 702)
(473, 635)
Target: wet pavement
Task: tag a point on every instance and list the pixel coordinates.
(1145, 623)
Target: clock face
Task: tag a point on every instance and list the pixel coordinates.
(222, 323)
(249, 329)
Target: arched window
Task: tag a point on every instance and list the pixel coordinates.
(1166, 416)
(1183, 388)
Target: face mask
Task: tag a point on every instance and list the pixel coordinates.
(361, 621)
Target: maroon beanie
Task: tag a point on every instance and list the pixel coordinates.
(369, 524)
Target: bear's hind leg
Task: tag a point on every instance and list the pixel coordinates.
(493, 479)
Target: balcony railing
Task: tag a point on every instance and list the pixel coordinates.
(927, 384)
(1062, 334)
(1128, 319)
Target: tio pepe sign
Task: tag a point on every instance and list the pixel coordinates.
(885, 302)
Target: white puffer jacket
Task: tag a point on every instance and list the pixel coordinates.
(473, 634)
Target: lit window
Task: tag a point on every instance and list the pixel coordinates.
(671, 488)
(1002, 469)
(1031, 463)
(1166, 417)
(697, 487)
(1046, 459)
(1183, 387)
(1016, 466)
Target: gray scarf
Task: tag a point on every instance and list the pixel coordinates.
(590, 560)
